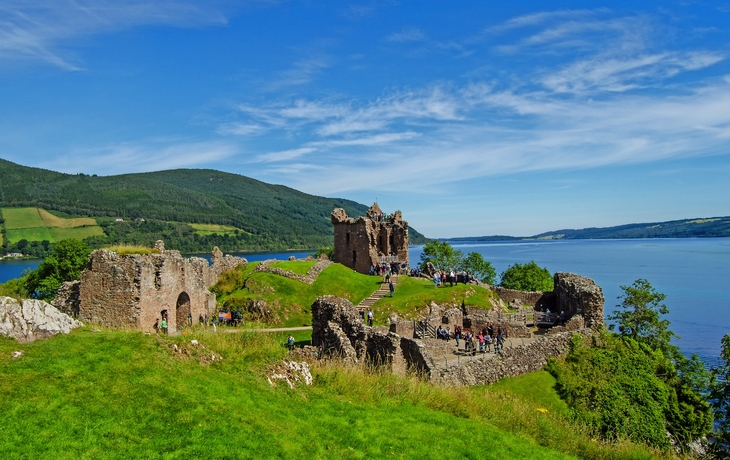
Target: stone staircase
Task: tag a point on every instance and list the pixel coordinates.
(383, 291)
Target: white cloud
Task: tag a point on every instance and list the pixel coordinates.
(410, 34)
(37, 29)
(135, 157)
(284, 155)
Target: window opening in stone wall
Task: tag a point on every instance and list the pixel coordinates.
(347, 238)
(354, 257)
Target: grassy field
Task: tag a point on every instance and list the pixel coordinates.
(35, 224)
(294, 298)
(299, 266)
(209, 229)
(128, 395)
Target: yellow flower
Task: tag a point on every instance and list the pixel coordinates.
(542, 409)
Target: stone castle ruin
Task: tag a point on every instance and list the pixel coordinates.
(339, 329)
(370, 240)
(132, 291)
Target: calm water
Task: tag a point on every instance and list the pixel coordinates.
(693, 273)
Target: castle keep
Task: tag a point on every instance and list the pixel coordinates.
(370, 240)
(132, 291)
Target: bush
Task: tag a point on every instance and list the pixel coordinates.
(527, 277)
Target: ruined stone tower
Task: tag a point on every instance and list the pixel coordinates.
(371, 239)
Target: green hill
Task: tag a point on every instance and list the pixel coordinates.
(163, 204)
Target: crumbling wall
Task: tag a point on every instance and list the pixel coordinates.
(131, 291)
(511, 362)
(540, 301)
(359, 243)
(578, 295)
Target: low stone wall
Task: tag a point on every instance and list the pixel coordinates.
(511, 362)
(311, 276)
(536, 299)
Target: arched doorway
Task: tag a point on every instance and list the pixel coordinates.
(182, 311)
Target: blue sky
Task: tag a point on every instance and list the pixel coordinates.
(473, 118)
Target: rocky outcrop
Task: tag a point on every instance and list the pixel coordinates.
(32, 319)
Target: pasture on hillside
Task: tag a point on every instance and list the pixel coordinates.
(35, 224)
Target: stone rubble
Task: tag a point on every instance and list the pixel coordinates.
(291, 372)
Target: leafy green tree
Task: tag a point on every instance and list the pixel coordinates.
(639, 316)
(720, 399)
(68, 258)
(527, 277)
(441, 254)
(483, 269)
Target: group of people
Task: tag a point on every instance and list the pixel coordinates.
(484, 339)
(441, 277)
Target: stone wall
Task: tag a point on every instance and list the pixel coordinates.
(578, 295)
(540, 301)
(359, 243)
(311, 276)
(132, 291)
(511, 362)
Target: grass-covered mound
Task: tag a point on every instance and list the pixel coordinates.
(129, 395)
(413, 296)
(289, 299)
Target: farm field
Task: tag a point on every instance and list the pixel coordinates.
(209, 229)
(35, 224)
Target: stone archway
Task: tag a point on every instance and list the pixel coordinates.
(182, 311)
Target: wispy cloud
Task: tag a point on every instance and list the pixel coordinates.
(302, 72)
(36, 30)
(139, 157)
(285, 155)
(410, 34)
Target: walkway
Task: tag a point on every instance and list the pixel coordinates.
(447, 354)
(383, 291)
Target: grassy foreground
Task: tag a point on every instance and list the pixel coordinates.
(128, 395)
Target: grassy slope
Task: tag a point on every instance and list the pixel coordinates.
(413, 296)
(34, 224)
(127, 395)
(294, 297)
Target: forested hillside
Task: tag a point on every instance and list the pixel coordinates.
(162, 204)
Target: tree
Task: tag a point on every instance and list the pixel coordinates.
(68, 258)
(639, 317)
(484, 270)
(527, 277)
(720, 398)
(441, 254)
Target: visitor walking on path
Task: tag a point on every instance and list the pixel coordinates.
(290, 342)
(163, 324)
(156, 326)
(370, 316)
(392, 288)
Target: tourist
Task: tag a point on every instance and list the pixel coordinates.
(290, 342)
(488, 342)
(436, 279)
(480, 338)
(190, 319)
(392, 288)
(163, 324)
(370, 316)
(457, 334)
(452, 277)
(156, 326)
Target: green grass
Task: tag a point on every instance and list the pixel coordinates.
(35, 224)
(299, 266)
(132, 249)
(78, 232)
(30, 234)
(128, 395)
(413, 296)
(210, 229)
(294, 298)
(16, 218)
